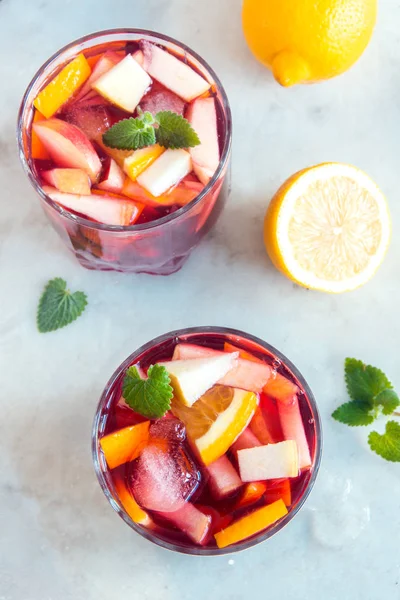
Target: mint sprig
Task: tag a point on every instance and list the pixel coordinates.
(166, 128)
(149, 397)
(58, 307)
(372, 394)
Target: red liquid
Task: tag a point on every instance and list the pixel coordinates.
(152, 251)
(224, 511)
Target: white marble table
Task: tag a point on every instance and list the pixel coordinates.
(59, 539)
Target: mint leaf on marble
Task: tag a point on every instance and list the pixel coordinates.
(58, 307)
(353, 414)
(387, 445)
(364, 382)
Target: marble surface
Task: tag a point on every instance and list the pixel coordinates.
(59, 539)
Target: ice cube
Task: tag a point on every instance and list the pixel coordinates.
(164, 477)
(170, 429)
(159, 99)
(93, 121)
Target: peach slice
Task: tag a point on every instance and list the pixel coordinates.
(112, 179)
(68, 146)
(62, 87)
(203, 117)
(104, 209)
(71, 181)
(166, 171)
(124, 84)
(173, 73)
(182, 194)
(251, 524)
(125, 444)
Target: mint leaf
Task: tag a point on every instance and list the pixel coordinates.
(149, 397)
(58, 307)
(174, 131)
(353, 414)
(363, 381)
(387, 445)
(131, 134)
(388, 400)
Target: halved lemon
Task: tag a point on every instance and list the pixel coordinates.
(328, 228)
(215, 421)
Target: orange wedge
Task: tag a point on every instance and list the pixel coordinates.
(279, 489)
(139, 160)
(132, 508)
(37, 148)
(252, 492)
(62, 86)
(253, 523)
(215, 421)
(125, 444)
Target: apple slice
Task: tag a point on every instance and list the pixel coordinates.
(103, 209)
(273, 461)
(105, 63)
(166, 171)
(203, 118)
(173, 73)
(223, 478)
(68, 146)
(191, 521)
(71, 181)
(247, 375)
(112, 178)
(141, 159)
(293, 429)
(192, 378)
(246, 440)
(124, 84)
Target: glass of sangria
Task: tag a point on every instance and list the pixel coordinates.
(139, 204)
(207, 441)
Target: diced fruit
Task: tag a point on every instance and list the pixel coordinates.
(215, 421)
(131, 507)
(242, 353)
(62, 86)
(124, 84)
(223, 478)
(191, 521)
(141, 159)
(203, 118)
(104, 209)
(161, 99)
(293, 429)
(253, 491)
(192, 378)
(280, 388)
(106, 62)
(246, 440)
(269, 410)
(112, 178)
(182, 194)
(68, 146)
(164, 477)
(38, 149)
(173, 73)
(125, 444)
(278, 489)
(72, 181)
(246, 375)
(251, 524)
(166, 171)
(259, 427)
(219, 520)
(273, 461)
(138, 56)
(118, 155)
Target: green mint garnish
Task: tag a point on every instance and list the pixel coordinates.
(372, 394)
(131, 134)
(149, 397)
(174, 131)
(167, 128)
(388, 444)
(58, 307)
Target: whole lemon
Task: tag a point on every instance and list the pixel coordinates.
(305, 41)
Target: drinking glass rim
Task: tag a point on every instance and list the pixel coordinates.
(157, 222)
(200, 551)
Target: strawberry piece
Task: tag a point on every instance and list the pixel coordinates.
(223, 478)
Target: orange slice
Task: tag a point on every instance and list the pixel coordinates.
(252, 492)
(253, 523)
(279, 489)
(37, 147)
(216, 420)
(131, 507)
(62, 86)
(125, 444)
(141, 159)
